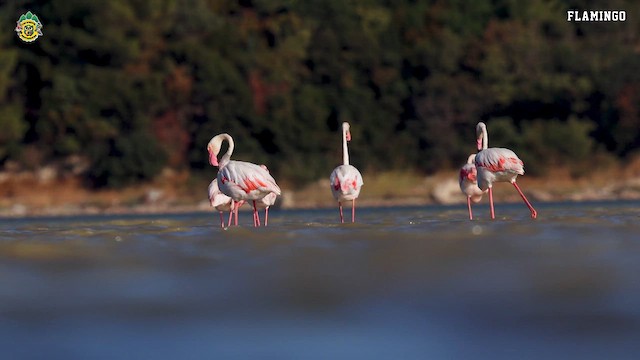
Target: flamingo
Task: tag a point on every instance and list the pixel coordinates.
(266, 202)
(469, 183)
(345, 179)
(220, 201)
(497, 165)
(240, 180)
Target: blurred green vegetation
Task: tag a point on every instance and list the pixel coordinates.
(135, 86)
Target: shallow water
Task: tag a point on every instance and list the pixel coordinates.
(402, 283)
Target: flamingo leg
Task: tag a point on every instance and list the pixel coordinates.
(469, 206)
(233, 205)
(534, 213)
(256, 217)
(493, 214)
(236, 213)
(341, 216)
(353, 210)
(266, 216)
(221, 220)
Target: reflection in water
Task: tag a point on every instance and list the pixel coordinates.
(401, 283)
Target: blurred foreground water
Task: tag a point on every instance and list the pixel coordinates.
(402, 283)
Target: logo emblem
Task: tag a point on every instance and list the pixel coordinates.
(29, 27)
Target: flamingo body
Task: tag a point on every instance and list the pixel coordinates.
(497, 165)
(346, 182)
(220, 201)
(242, 180)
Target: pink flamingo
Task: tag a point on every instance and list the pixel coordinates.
(469, 183)
(266, 202)
(345, 179)
(240, 180)
(220, 201)
(497, 165)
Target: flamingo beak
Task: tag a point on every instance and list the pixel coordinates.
(348, 135)
(212, 159)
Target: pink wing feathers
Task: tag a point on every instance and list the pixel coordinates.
(500, 160)
(246, 181)
(346, 182)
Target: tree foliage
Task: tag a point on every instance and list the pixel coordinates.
(135, 86)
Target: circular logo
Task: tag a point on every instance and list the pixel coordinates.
(29, 27)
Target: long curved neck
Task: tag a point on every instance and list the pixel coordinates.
(471, 159)
(345, 149)
(485, 138)
(231, 145)
(224, 160)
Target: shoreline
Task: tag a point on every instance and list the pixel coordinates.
(28, 196)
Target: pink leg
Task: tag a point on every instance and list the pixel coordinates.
(256, 217)
(233, 205)
(534, 213)
(469, 206)
(237, 207)
(493, 214)
(221, 220)
(235, 211)
(353, 210)
(266, 216)
(340, 207)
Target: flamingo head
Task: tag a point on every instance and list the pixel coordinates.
(214, 149)
(346, 130)
(213, 156)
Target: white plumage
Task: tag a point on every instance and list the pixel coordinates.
(346, 181)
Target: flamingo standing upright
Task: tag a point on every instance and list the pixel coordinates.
(469, 183)
(220, 202)
(497, 165)
(345, 179)
(240, 180)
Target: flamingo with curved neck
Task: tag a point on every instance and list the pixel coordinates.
(497, 165)
(240, 180)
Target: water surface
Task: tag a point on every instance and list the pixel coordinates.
(402, 283)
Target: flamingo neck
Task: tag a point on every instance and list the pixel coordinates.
(485, 139)
(345, 149)
(231, 144)
(471, 159)
(227, 156)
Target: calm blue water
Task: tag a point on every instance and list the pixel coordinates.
(402, 283)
